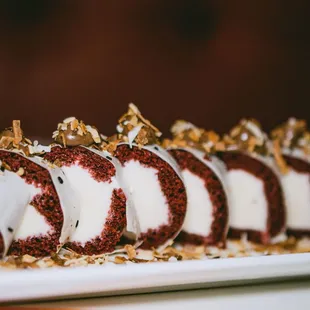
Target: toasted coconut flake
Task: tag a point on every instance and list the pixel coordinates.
(69, 120)
(20, 171)
(18, 134)
(6, 142)
(120, 260)
(246, 136)
(57, 259)
(12, 139)
(131, 252)
(6, 166)
(279, 158)
(74, 124)
(235, 248)
(293, 135)
(134, 128)
(72, 132)
(185, 134)
(94, 132)
(290, 136)
(28, 259)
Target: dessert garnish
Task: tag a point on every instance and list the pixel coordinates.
(132, 128)
(72, 132)
(185, 134)
(293, 134)
(12, 138)
(247, 136)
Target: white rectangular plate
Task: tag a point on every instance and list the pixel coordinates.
(110, 279)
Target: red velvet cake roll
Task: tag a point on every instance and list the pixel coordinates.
(40, 213)
(92, 175)
(206, 221)
(151, 179)
(256, 201)
(292, 149)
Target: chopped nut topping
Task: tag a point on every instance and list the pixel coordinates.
(131, 252)
(186, 134)
(247, 136)
(20, 171)
(12, 138)
(293, 134)
(120, 260)
(72, 132)
(6, 142)
(18, 134)
(277, 152)
(235, 248)
(133, 127)
(5, 166)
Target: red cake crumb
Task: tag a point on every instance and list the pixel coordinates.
(102, 170)
(298, 164)
(112, 231)
(99, 168)
(187, 161)
(172, 187)
(46, 203)
(273, 191)
(301, 166)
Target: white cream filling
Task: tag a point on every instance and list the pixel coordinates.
(95, 200)
(15, 194)
(248, 207)
(198, 219)
(143, 186)
(33, 224)
(296, 188)
(132, 224)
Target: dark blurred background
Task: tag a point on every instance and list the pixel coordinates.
(210, 62)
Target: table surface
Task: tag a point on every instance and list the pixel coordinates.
(286, 295)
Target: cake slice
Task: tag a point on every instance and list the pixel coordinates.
(39, 212)
(292, 149)
(151, 179)
(15, 193)
(93, 176)
(206, 221)
(256, 203)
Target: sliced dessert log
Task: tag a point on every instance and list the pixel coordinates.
(206, 221)
(15, 195)
(103, 204)
(49, 214)
(256, 204)
(296, 188)
(291, 147)
(156, 190)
